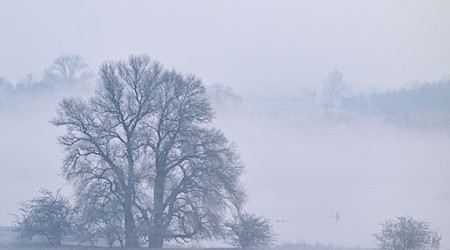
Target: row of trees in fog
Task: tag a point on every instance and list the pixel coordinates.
(147, 164)
(66, 72)
(69, 73)
(424, 100)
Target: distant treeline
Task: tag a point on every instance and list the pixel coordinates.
(67, 72)
(428, 100)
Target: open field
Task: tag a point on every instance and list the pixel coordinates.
(106, 248)
(7, 242)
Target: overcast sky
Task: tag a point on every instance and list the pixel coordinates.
(256, 47)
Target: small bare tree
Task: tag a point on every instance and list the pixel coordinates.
(49, 215)
(68, 69)
(5, 88)
(406, 233)
(223, 97)
(250, 231)
(333, 87)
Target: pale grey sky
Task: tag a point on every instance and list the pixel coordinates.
(256, 47)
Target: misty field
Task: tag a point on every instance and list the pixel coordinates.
(8, 242)
(363, 170)
(306, 168)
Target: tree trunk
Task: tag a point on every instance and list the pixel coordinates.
(156, 242)
(55, 240)
(157, 230)
(131, 239)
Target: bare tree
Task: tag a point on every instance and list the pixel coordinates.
(146, 138)
(250, 231)
(333, 87)
(406, 233)
(435, 241)
(5, 88)
(68, 69)
(49, 215)
(223, 97)
(105, 141)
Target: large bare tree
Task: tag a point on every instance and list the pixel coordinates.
(146, 140)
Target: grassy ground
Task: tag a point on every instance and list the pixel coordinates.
(30, 247)
(7, 236)
(8, 242)
(35, 247)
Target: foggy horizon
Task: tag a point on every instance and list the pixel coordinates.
(283, 46)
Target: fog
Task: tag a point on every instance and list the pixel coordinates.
(301, 170)
(256, 47)
(302, 166)
(302, 173)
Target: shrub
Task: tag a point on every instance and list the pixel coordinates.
(49, 216)
(250, 231)
(406, 233)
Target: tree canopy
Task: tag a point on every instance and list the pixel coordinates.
(146, 141)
